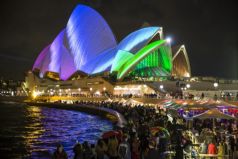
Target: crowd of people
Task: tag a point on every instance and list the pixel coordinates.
(136, 140)
(140, 138)
(220, 140)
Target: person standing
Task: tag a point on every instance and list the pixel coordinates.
(87, 151)
(179, 147)
(227, 147)
(112, 147)
(212, 149)
(60, 153)
(78, 151)
(221, 150)
(203, 148)
(232, 145)
(124, 150)
(135, 148)
(101, 149)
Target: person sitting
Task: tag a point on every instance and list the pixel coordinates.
(60, 153)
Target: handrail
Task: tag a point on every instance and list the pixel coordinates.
(213, 155)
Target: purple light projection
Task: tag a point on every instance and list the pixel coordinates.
(40, 58)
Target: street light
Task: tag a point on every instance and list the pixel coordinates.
(104, 88)
(188, 85)
(161, 86)
(215, 84)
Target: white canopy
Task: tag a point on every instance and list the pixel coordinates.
(132, 101)
(108, 100)
(122, 100)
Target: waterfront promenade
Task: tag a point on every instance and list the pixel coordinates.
(157, 117)
(143, 113)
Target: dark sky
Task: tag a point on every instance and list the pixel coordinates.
(208, 28)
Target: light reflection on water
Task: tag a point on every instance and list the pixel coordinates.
(33, 132)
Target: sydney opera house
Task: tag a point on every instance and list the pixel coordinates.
(86, 52)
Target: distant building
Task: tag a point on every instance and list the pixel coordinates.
(11, 88)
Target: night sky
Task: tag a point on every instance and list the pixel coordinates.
(208, 28)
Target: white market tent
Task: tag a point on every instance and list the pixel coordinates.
(109, 100)
(132, 102)
(122, 100)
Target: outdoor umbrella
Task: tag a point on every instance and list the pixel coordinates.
(154, 130)
(110, 134)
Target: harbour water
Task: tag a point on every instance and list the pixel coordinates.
(33, 132)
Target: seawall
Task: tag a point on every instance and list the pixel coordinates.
(110, 114)
(13, 98)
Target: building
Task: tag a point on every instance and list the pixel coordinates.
(86, 55)
(11, 88)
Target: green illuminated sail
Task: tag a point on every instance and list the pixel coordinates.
(121, 57)
(143, 57)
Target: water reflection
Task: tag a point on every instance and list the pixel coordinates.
(33, 132)
(35, 129)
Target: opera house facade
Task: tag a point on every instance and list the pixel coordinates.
(87, 50)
